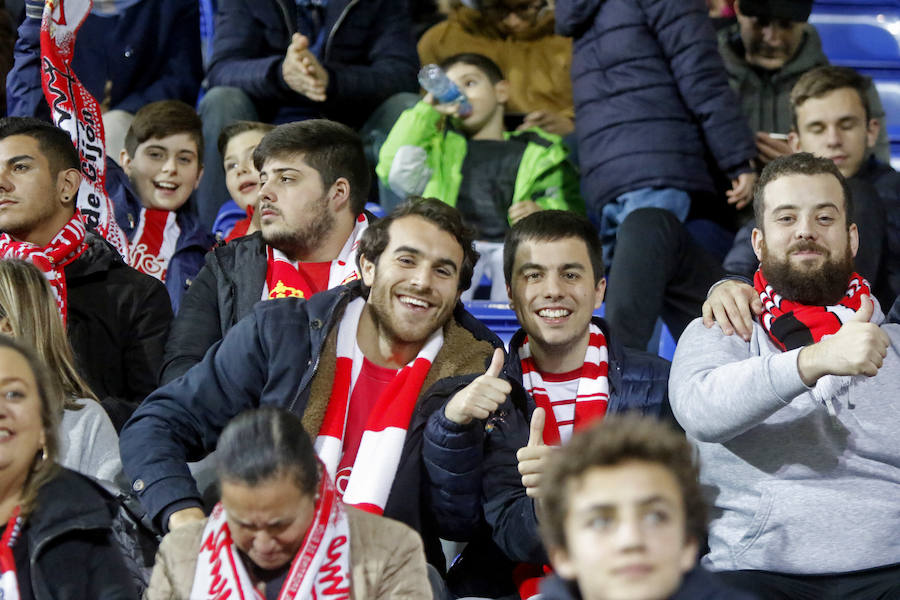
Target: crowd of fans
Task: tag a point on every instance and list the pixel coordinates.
(276, 390)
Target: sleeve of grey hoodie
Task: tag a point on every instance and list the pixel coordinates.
(720, 386)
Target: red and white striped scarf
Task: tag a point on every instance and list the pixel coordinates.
(320, 569)
(793, 325)
(154, 243)
(75, 111)
(67, 245)
(381, 445)
(283, 278)
(9, 580)
(593, 387)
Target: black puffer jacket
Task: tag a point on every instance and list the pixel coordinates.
(696, 585)
(651, 97)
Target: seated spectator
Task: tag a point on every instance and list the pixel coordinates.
(279, 63)
(87, 439)
(313, 181)
(493, 177)
(623, 517)
(236, 145)
(58, 540)
(278, 503)
(139, 53)
(518, 36)
(353, 362)
(765, 53)
(162, 155)
(657, 123)
(564, 372)
(116, 317)
(803, 413)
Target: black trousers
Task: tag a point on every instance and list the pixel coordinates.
(658, 270)
(872, 584)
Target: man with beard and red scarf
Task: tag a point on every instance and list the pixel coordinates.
(797, 428)
(116, 318)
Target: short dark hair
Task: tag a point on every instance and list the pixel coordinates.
(801, 163)
(54, 143)
(479, 61)
(236, 128)
(161, 119)
(377, 235)
(267, 442)
(615, 440)
(823, 80)
(550, 226)
(331, 148)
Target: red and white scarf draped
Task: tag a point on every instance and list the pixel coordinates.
(593, 387)
(67, 245)
(283, 279)
(9, 581)
(320, 569)
(154, 243)
(381, 445)
(75, 111)
(793, 325)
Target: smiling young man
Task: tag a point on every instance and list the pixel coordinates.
(801, 414)
(116, 318)
(563, 373)
(353, 362)
(312, 188)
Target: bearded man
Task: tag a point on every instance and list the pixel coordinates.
(797, 428)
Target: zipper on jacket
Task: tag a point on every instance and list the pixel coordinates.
(337, 24)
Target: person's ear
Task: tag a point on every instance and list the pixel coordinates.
(757, 240)
(562, 564)
(125, 160)
(853, 232)
(67, 183)
(873, 127)
(599, 292)
(510, 296)
(6, 326)
(501, 91)
(367, 269)
(339, 194)
(199, 177)
(688, 559)
(794, 141)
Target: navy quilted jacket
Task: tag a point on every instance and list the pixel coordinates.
(652, 100)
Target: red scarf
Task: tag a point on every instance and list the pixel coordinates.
(593, 388)
(320, 569)
(382, 441)
(793, 325)
(284, 279)
(67, 245)
(75, 111)
(9, 582)
(155, 241)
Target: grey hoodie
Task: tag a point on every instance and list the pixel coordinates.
(800, 480)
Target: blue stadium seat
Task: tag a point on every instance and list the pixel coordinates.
(889, 91)
(860, 40)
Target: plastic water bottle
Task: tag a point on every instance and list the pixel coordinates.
(435, 81)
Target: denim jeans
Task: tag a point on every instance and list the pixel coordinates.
(676, 201)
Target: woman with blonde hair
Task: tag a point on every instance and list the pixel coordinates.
(29, 313)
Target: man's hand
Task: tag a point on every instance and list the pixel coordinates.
(741, 192)
(302, 71)
(770, 148)
(550, 122)
(533, 457)
(858, 348)
(731, 306)
(520, 210)
(185, 516)
(481, 397)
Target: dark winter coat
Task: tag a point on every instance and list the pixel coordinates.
(697, 584)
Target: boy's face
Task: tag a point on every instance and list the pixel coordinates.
(241, 177)
(625, 532)
(486, 98)
(164, 171)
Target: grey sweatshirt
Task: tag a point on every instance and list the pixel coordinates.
(89, 443)
(793, 488)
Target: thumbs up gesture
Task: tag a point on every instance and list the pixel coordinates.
(858, 348)
(533, 457)
(481, 397)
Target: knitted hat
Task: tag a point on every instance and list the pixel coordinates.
(793, 10)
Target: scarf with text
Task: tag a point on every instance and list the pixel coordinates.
(320, 569)
(67, 245)
(284, 279)
(593, 388)
(793, 325)
(382, 441)
(9, 581)
(154, 243)
(75, 111)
